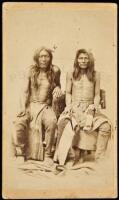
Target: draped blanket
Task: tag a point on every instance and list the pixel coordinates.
(35, 149)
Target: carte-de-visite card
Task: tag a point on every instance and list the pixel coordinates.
(56, 55)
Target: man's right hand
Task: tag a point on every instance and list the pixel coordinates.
(67, 110)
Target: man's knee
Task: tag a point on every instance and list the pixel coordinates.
(61, 125)
(51, 123)
(21, 123)
(20, 129)
(105, 129)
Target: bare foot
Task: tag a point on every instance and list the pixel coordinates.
(48, 162)
(69, 163)
(81, 160)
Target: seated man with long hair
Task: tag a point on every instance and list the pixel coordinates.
(82, 104)
(42, 85)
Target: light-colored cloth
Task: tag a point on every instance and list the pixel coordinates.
(80, 115)
(36, 109)
(43, 126)
(34, 128)
(35, 148)
(65, 142)
(83, 140)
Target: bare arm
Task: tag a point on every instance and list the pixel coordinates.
(24, 98)
(97, 90)
(57, 77)
(68, 89)
(57, 90)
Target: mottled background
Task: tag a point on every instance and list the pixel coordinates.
(67, 28)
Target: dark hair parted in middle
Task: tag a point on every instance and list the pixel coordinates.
(90, 68)
(35, 69)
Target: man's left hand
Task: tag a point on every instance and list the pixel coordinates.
(57, 93)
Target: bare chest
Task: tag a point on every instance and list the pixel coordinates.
(42, 81)
(83, 84)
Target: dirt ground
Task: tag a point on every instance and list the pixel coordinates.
(29, 180)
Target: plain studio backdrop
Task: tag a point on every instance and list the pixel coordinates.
(65, 28)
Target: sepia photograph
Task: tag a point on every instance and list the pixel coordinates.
(59, 136)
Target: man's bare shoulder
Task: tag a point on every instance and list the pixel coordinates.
(56, 69)
(97, 75)
(29, 71)
(70, 73)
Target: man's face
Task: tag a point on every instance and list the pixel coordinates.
(44, 59)
(83, 60)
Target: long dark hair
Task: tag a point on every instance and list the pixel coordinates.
(90, 68)
(35, 69)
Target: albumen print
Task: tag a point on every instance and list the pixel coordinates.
(59, 100)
